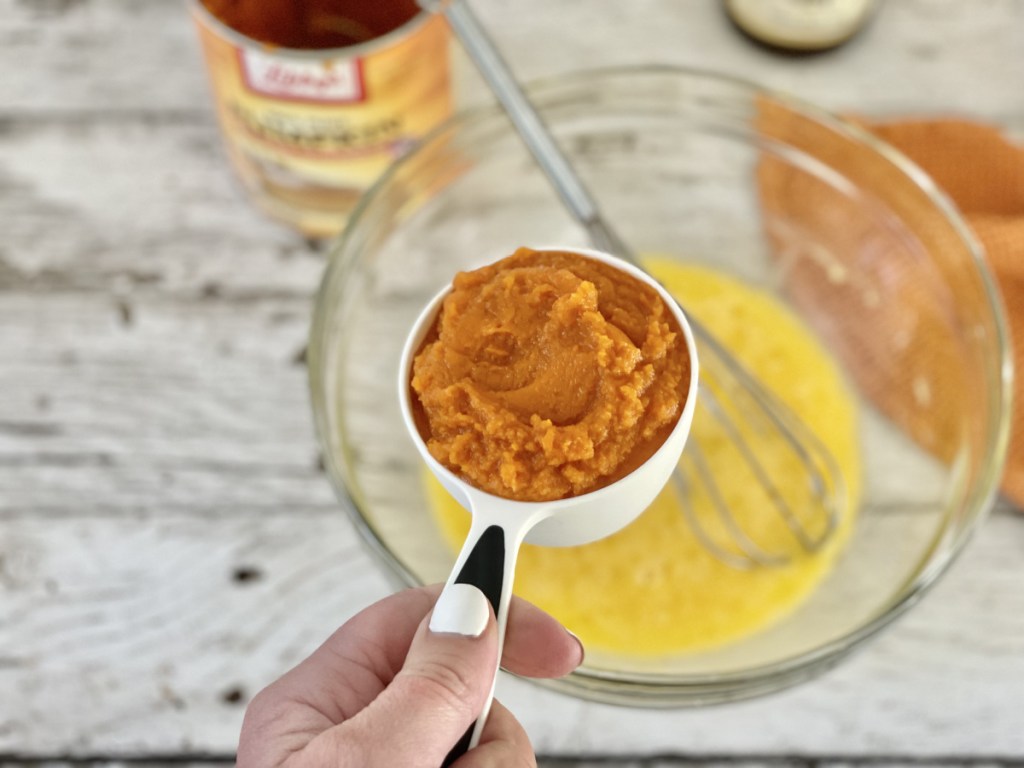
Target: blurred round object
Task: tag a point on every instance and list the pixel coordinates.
(800, 25)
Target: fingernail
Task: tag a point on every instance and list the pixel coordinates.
(461, 609)
(579, 643)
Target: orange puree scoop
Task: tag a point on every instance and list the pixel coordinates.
(549, 374)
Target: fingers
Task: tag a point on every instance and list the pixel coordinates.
(356, 663)
(503, 744)
(434, 698)
(355, 666)
(536, 645)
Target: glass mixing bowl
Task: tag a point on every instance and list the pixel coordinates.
(840, 228)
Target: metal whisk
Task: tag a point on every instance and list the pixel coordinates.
(733, 405)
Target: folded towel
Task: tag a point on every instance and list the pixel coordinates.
(882, 290)
(983, 172)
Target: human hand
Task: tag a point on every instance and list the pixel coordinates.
(399, 684)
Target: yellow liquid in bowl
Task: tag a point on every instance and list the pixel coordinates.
(653, 588)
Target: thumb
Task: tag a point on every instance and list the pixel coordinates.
(439, 692)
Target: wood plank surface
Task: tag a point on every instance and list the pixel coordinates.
(168, 542)
(171, 621)
(115, 56)
(555, 762)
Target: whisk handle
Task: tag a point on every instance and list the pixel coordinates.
(488, 60)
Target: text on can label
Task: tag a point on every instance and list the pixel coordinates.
(336, 81)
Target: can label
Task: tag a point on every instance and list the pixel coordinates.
(309, 131)
(297, 80)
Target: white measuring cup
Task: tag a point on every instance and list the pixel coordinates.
(500, 525)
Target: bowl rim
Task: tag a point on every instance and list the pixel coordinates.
(675, 689)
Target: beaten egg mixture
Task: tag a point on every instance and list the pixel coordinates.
(654, 588)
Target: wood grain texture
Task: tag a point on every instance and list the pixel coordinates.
(673, 761)
(167, 623)
(148, 633)
(168, 543)
(115, 56)
(133, 206)
(198, 406)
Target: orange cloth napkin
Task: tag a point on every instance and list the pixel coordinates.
(881, 294)
(983, 172)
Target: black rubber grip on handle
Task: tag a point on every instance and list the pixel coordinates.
(485, 565)
(483, 569)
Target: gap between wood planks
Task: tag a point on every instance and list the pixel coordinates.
(202, 760)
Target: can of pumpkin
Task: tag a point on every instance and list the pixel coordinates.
(316, 98)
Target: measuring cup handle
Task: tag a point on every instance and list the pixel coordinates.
(488, 562)
(484, 566)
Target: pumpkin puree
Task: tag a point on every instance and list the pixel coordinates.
(549, 374)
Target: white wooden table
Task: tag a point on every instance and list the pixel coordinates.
(168, 542)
